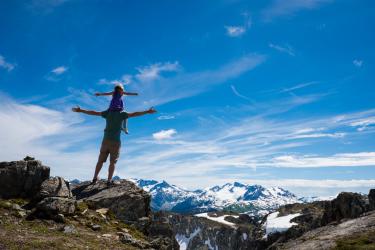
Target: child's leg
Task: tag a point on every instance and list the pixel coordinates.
(125, 126)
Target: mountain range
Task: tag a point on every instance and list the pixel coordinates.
(237, 197)
(232, 197)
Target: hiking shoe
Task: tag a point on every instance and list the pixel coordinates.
(94, 180)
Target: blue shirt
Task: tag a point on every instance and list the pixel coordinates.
(114, 120)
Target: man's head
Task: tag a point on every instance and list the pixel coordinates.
(119, 88)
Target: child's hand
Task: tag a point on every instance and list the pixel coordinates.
(76, 109)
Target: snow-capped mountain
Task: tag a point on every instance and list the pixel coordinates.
(237, 197)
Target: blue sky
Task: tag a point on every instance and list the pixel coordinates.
(269, 92)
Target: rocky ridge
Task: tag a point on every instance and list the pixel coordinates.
(39, 212)
(46, 212)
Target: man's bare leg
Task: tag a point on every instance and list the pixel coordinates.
(98, 167)
(111, 170)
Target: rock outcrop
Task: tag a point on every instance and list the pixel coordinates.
(84, 205)
(22, 178)
(345, 205)
(55, 187)
(319, 218)
(371, 199)
(54, 199)
(310, 217)
(328, 237)
(52, 206)
(128, 202)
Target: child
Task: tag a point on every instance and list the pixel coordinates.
(117, 103)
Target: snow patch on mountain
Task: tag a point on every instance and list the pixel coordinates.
(279, 224)
(183, 241)
(220, 219)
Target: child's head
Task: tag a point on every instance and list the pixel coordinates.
(119, 88)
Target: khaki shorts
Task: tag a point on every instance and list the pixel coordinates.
(111, 148)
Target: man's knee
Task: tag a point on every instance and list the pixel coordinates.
(100, 161)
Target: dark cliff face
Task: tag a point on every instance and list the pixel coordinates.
(346, 205)
(194, 232)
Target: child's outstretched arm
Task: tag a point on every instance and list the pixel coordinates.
(130, 93)
(104, 93)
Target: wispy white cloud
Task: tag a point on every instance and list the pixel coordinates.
(284, 49)
(145, 74)
(6, 65)
(317, 135)
(164, 134)
(207, 152)
(316, 183)
(298, 86)
(49, 135)
(361, 120)
(363, 124)
(59, 70)
(235, 31)
(239, 30)
(239, 95)
(337, 160)
(166, 117)
(56, 73)
(181, 84)
(153, 71)
(358, 63)
(124, 80)
(54, 136)
(285, 8)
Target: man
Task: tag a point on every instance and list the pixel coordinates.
(111, 143)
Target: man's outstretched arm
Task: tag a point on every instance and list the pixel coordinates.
(135, 114)
(87, 112)
(103, 93)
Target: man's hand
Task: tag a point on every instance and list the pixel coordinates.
(97, 94)
(77, 109)
(151, 110)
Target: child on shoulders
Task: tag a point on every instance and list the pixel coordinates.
(116, 103)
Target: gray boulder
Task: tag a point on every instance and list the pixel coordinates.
(52, 206)
(21, 179)
(128, 239)
(68, 229)
(55, 187)
(127, 201)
